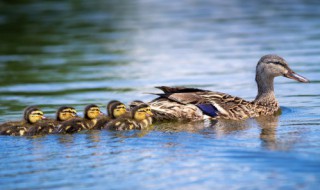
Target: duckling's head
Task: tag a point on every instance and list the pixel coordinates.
(92, 111)
(65, 112)
(32, 114)
(270, 66)
(141, 112)
(135, 103)
(116, 109)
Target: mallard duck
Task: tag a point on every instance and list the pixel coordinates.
(189, 104)
(139, 118)
(91, 113)
(115, 109)
(47, 126)
(31, 117)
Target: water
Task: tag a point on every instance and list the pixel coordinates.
(79, 52)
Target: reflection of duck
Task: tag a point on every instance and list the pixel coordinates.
(91, 113)
(268, 127)
(115, 109)
(31, 117)
(140, 118)
(192, 104)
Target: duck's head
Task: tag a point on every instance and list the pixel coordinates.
(270, 66)
(65, 112)
(116, 109)
(135, 103)
(141, 112)
(92, 111)
(32, 114)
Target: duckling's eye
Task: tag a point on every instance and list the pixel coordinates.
(37, 113)
(141, 111)
(121, 107)
(95, 109)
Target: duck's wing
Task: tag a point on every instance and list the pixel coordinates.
(168, 89)
(230, 107)
(164, 109)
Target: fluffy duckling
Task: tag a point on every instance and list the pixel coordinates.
(91, 113)
(115, 109)
(31, 117)
(140, 118)
(48, 126)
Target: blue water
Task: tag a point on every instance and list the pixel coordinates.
(79, 52)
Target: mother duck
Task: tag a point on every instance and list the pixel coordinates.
(190, 104)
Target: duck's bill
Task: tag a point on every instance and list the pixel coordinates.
(295, 76)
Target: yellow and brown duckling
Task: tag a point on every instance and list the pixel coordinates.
(115, 109)
(48, 126)
(139, 118)
(91, 113)
(31, 118)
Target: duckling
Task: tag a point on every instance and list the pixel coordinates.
(136, 103)
(91, 113)
(48, 126)
(138, 119)
(115, 109)
(31, 117)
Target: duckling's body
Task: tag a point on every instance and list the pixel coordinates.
(73, 125)
(115, 109)
(189, 104)
(91, 113)
(31, 118)
(140, 118)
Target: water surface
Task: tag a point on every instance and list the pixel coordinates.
(79, 52)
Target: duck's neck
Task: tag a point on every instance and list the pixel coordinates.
(265, 90)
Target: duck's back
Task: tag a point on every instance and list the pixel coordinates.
(195, 104)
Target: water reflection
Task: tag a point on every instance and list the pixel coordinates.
(132, 134)
(268, 134)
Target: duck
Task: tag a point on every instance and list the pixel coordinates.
(191, 104)
(32, 115)
(139, 118)
(48, 125)
(77, 124)
(115, 109)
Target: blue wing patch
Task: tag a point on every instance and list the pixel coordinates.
(208, 109)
